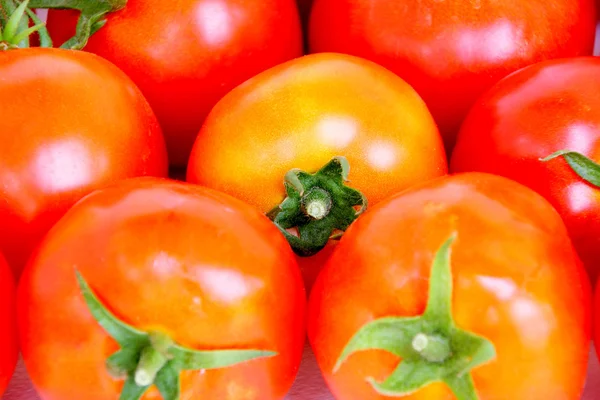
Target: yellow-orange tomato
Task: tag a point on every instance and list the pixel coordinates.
(303, 113)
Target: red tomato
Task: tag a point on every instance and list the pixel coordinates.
(512, 287)
(71, 122)
(303, 113)
(597, 320)
(186, 57)
(542, 109)
(167, 258)
(452, 51)
(8, 327)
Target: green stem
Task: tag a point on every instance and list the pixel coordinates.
(147, 358)
(431, 346)
(14, 25)
(92, 17)
(318, 205)
(151, 361)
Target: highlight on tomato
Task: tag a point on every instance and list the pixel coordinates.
(541, 127)
(71, 123)
(460, 287)
(9, 348)
(157, 289)
(184, 56)
(452, 51)
(340, 131)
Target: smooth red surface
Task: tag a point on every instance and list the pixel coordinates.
(303, 113)
(205, 268)
(451, 51)
(9, 348)
(71, 123)
(542, 109)
(185, 57)
(517, 282)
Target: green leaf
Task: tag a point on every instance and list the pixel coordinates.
(45, 39)
(478, 351)
(439, 305)
(131, 391)
(393, 334)
(462, 387)
(168, 382)
(118, 330)
(188, 359)
(587, 169)
(409, 377)
(16, 19)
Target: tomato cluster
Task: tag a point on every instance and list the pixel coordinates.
(190, 190)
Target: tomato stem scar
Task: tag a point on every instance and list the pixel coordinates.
(317, 205)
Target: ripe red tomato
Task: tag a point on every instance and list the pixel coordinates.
(467, 281)
(8, 327)
(186, 57)
(452, 51)
(71, 123)
(192, 268)
(303, 113)
(597, 320)
(537, 111)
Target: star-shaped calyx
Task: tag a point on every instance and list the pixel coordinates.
(431, 347)
(153, 358)
(317, 205)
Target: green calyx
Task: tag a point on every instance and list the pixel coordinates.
(317, 205)
(92, 17)
(431, 346)
(14, 25)
(587, 169)
(152, 358)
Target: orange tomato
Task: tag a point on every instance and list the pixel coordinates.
(198, 266)
(516, 282)
(303, 113)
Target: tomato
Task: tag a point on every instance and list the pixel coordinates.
(452, 51)
(542, 109)
(301, 114)
(467, 278)
(597, 320)
(8, 326)
(71, 123)
(186, 57)
(187, 265)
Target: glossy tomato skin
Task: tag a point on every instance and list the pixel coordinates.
(185, 58)
(8, 325)
(305, 112)
(206, 269)
(452, 51)
(544, 108)
(597, 320)
(71, 123)
(517, 282)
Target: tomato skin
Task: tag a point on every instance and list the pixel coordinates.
(185, 58)
(72, 122)
(517, 282)
(201, 266)
(452, 51)
(8, 325)
(544, 108)
(303, 113)
(596, 326)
